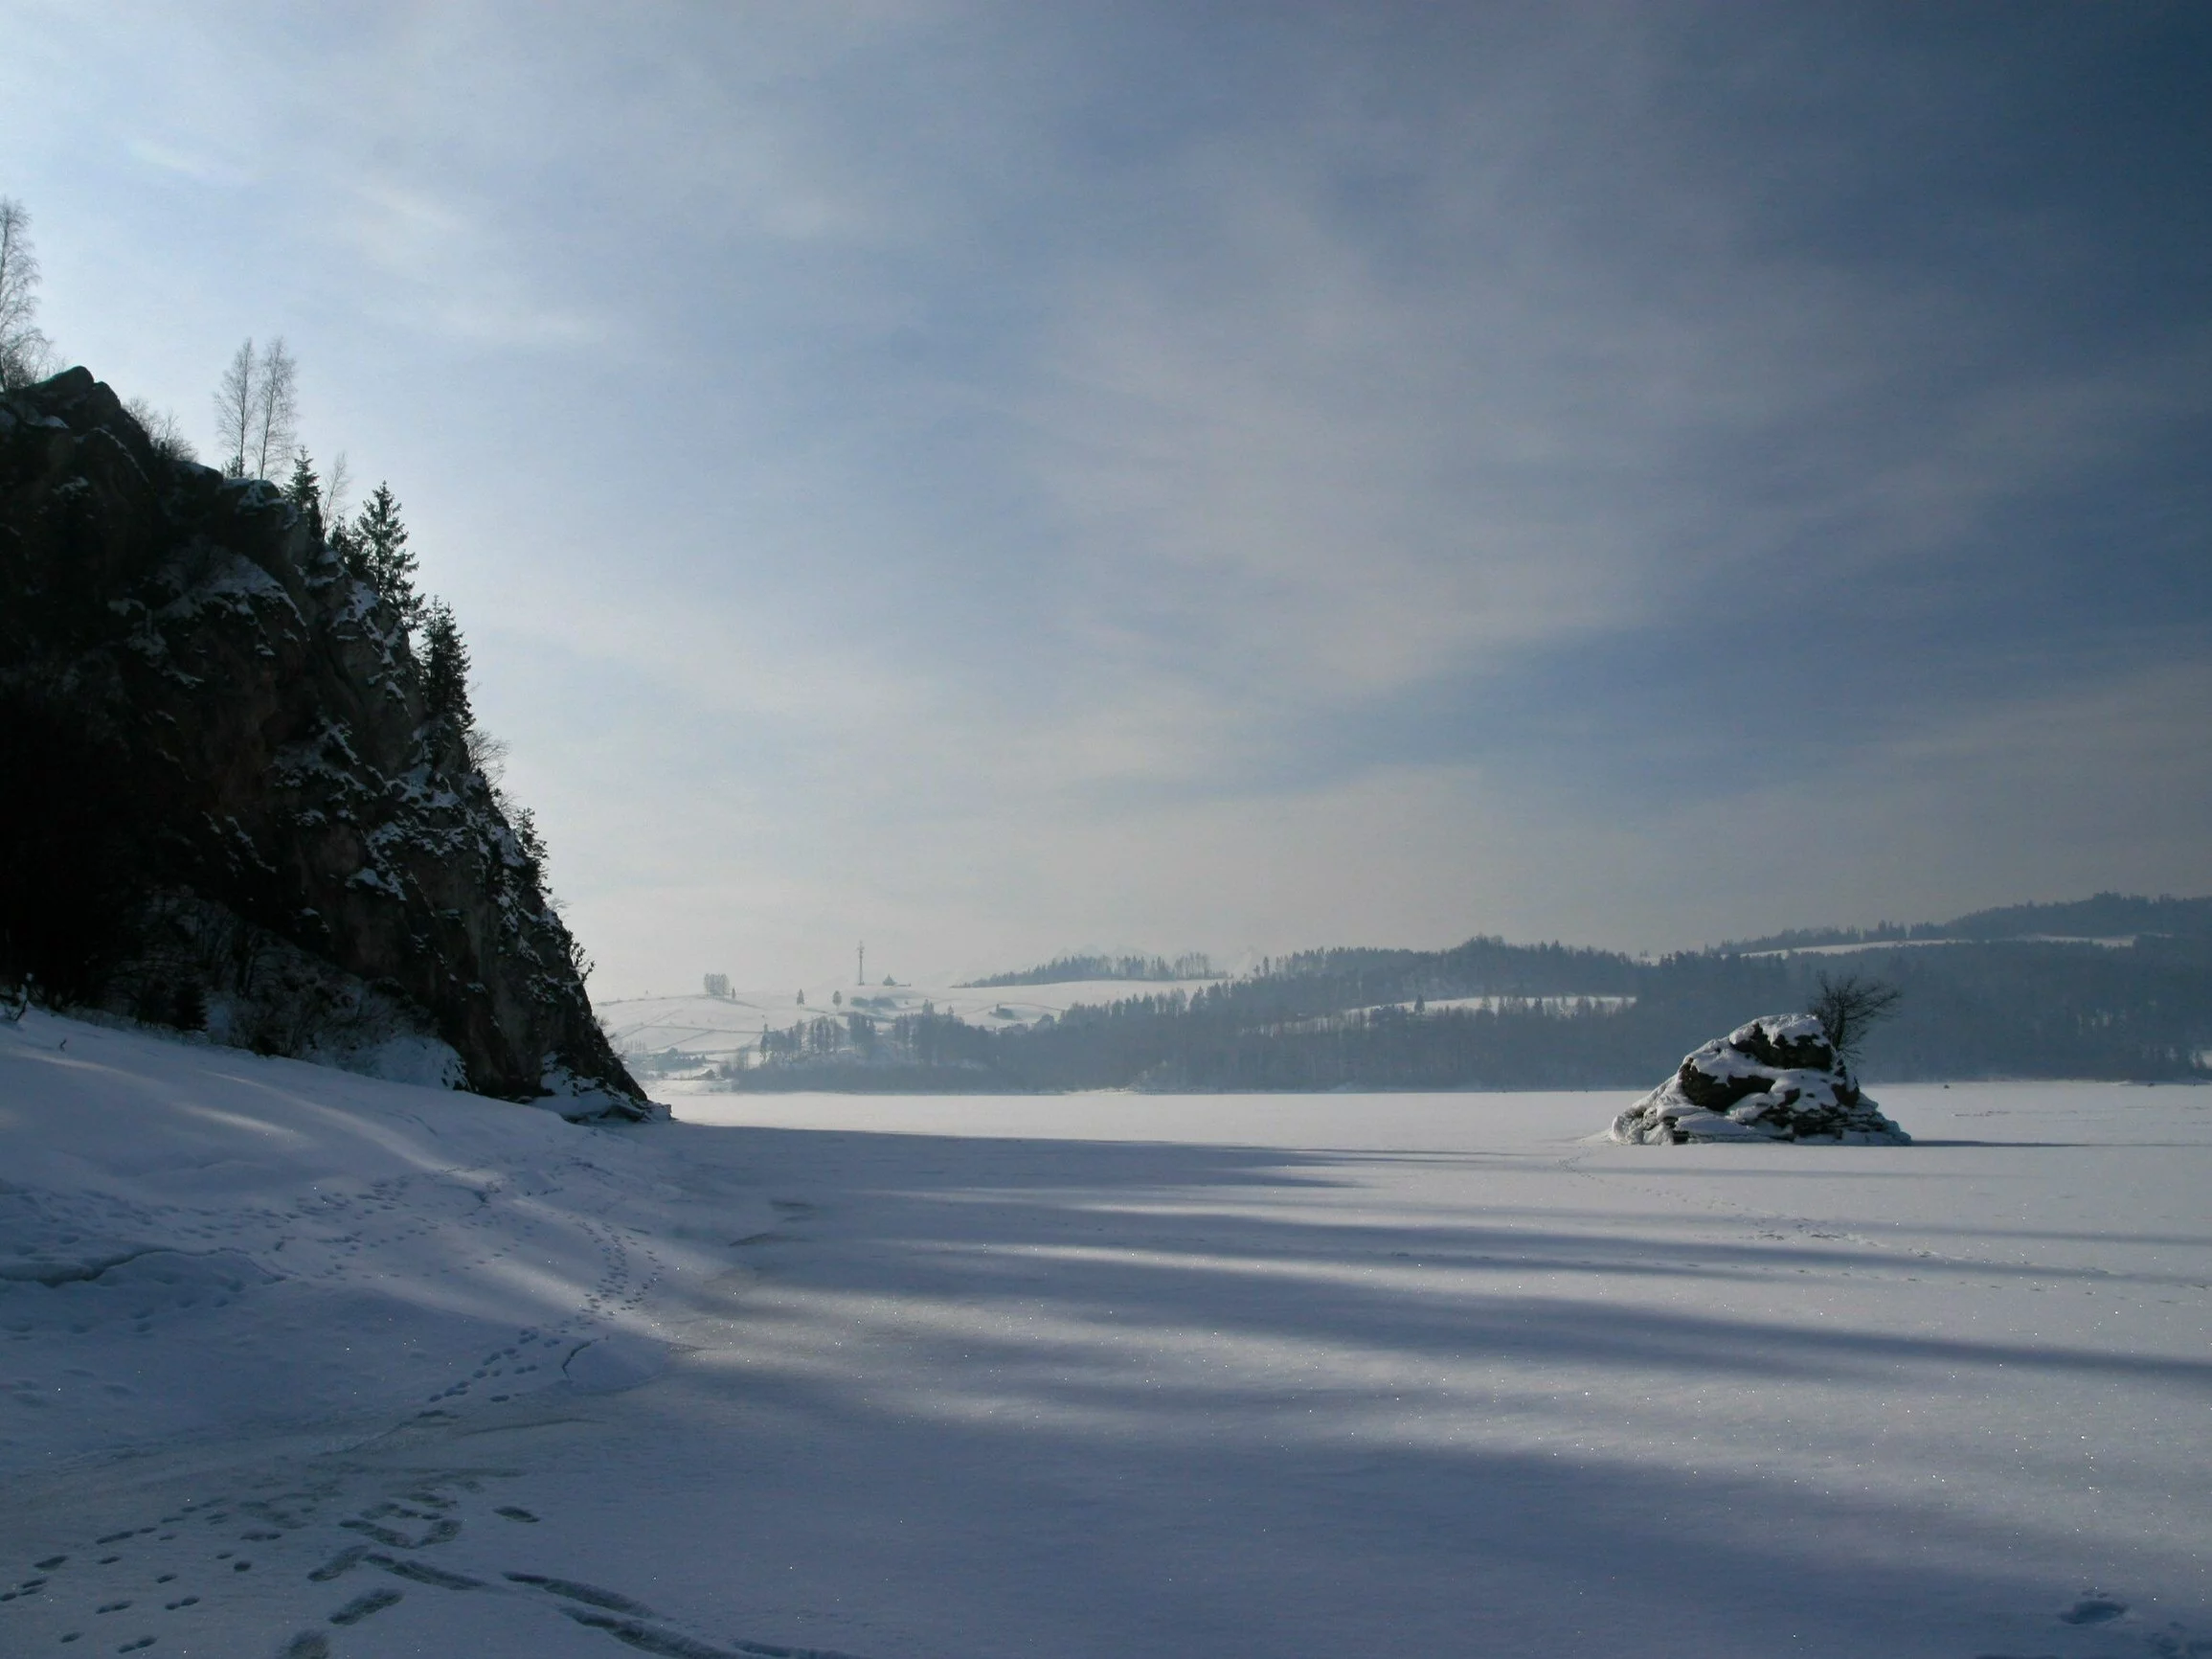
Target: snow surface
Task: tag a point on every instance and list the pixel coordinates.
(1859, 947)
(1496, 1003)
(296, 1362)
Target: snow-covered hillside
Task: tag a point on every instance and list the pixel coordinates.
(1862, 946)
(714, 1030)
(294, 1363)
(197, 1239)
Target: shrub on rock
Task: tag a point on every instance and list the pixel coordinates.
(1777, 1079)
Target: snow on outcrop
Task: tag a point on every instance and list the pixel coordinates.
(1777, 1079)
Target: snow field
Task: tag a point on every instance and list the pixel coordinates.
(920, 1377)
(194, 1239)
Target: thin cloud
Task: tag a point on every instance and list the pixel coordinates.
(199, 168)
(998, 477)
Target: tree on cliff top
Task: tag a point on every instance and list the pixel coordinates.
(378, 555)
(445, 665)
(163, 430)
(275, 408)
(258, 408)
(235, 396)
(304, 489)
(25, 355)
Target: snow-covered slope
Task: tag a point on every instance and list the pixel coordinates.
(711, 1028)
(293, 1363)
(1861, 946)
(194, 1239)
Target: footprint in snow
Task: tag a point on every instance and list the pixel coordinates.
(2093, 1610)
(630, 1622)
(363, 1606)
(580, 1592)
(410, 1516)
(393, 1532)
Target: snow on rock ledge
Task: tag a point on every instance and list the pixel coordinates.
(582, 1099)
(1776, 1078)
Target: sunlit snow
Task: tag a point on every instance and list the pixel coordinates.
(296, 1362)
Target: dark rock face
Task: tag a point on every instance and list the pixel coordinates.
(1776, 1078)
(221, 802)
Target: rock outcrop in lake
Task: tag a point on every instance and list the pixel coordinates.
(1777, 1079)
(224, 805)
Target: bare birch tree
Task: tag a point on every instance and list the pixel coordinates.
(276, 407)
(237, 397)
(163, 430)
(25, 355)
(335, 489)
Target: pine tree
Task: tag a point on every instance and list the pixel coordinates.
(446, 667)
(530, 844)
(379, 556)
(304, 491)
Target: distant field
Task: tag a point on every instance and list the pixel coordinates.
(711, 1028)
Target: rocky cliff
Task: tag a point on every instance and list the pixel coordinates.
(223, 804)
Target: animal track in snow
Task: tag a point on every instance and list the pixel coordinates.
(2093, 1610)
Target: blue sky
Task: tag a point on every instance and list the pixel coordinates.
(994, 480)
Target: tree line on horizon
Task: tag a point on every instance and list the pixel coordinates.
(1558, 1017)
(1078, 968)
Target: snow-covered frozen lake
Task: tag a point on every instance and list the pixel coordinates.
(292, 1362)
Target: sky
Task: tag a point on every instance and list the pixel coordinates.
(997, 479)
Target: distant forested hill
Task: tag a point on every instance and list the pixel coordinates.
(2107, 915)
(2016, 992)
(1077, 969)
